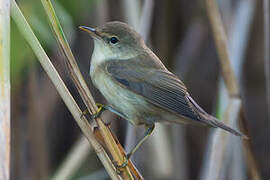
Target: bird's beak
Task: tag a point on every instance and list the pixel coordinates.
(92, 31)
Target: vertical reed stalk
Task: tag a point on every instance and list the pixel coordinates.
(4, 89)
(31, 39)
(233, 91)
(81, 85)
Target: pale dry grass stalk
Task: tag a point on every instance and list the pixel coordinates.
(146, 19)
(253, 168)
(132, 12)
(5, 89)
(238, 40)
(217, 151)
(30, 37)
(162, 163)
(82, 88)
(222, 48)
(229, 77)
(73, 161)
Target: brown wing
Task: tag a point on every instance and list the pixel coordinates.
(159, 87)
(162, 88)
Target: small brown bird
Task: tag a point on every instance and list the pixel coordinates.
(137, 85)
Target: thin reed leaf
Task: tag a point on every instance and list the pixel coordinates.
(81, 85)
(5, 89)
(30, 37)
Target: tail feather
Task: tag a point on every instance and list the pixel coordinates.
(217, 124)
(214, 122)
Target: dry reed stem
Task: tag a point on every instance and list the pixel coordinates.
(102, 14)
(30, 37)
(218, 143)
(222, 49)
(5, 89)
(249, 153)
(227, 71)
(130, 164)
(83, 89)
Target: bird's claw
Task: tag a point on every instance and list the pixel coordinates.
(100, 106)
(100, 109)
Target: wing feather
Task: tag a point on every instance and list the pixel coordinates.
(159, 87)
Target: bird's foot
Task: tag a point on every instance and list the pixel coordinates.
(100, 109)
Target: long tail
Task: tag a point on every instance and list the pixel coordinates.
(214, 122)
(217, 124)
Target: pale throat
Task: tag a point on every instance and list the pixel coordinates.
(103, 52)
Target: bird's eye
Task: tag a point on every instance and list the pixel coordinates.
(113, 40)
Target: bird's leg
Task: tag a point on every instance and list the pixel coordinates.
(109, 108)
(147, 133)
(102, 108)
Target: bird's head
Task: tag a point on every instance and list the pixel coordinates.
(116, 40)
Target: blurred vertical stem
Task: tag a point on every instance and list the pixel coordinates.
(132, 12)
(30, 37)
(238, 39)
(267, 54)
(146, 19)
(81, 85)
(74, 160)
(230, 79)
(222, 49)
(4, 89)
